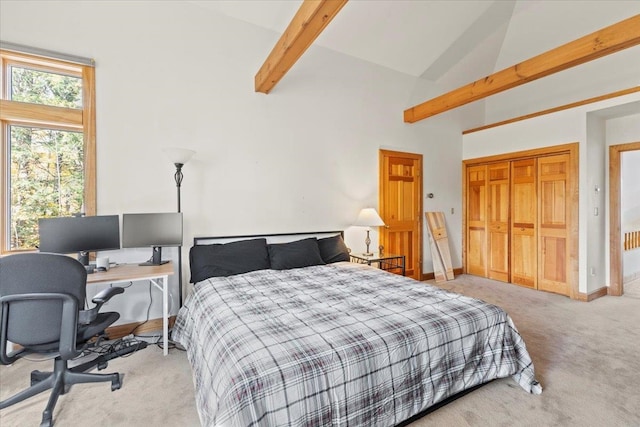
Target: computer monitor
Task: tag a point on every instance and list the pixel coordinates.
(152, 229)
(81, 234)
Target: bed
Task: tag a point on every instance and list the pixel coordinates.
(314, 340)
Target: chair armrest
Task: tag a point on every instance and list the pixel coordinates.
(106, 294)
(88, 316)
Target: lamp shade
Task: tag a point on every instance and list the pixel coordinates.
(368, 217)
(178, 155)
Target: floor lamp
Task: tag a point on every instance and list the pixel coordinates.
(179, 156)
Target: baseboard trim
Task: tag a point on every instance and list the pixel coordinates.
(137, 328)
(432, 276)
(631, 278)
(603, 291)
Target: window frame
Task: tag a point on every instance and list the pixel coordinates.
(39, 115)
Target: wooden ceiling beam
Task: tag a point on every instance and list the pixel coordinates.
(603, 42)
(307, 24)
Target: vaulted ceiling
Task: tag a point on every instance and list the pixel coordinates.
(453, 43)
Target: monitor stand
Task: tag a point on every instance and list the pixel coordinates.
(83, 258)
(156, 258)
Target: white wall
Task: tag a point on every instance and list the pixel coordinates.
(537, 26)
(594, 191)
(302, 158)
(630, 190)
(580, 124)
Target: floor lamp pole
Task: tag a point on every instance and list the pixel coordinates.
(178, 178)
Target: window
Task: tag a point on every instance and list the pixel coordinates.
(47, 141)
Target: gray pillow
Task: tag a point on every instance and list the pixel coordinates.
(219, 260)
(333, 249)
(300, 253)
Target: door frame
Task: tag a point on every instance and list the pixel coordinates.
(419, 157)
(573, 193)
(616, 278)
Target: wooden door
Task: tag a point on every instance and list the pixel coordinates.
(524, 253)
(498, 221)
(401, 208)
(476, 233)
(553, 221)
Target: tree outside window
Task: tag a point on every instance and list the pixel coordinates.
(48, 144)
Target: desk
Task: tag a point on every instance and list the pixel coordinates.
(386, 262)
(156, 274)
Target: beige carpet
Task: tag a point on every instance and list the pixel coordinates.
(587, 357)
(632, 288)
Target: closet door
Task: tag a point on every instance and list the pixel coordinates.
(524, 252)
(498, 226)
(553, 241)
(476, 258)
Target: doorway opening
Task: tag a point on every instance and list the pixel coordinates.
(616, 248)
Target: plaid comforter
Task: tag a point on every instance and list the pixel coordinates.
(342, 344)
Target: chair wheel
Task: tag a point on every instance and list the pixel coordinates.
(102, 366)
(116, 383)
(46, 422)
(37, 376)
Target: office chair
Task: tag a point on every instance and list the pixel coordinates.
(42, 297)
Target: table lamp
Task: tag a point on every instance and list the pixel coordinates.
(368, 217)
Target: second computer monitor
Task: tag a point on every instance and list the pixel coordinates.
(152, 230)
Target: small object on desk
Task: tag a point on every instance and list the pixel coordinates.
(388, 262)
(102, 263)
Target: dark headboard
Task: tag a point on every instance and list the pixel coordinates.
(271, 238)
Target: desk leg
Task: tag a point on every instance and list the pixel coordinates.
(165, 314)
(165, 311)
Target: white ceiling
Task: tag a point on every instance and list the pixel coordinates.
(450, 42)
(417, 36)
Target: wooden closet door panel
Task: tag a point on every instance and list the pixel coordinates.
(524, 252)
(476, 259)
(498, 221)
(553, 184)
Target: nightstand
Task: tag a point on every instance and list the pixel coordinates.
(388, 262)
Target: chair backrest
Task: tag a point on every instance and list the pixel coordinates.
(38, 322)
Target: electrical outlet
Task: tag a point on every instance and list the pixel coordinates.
(451, 211)
(593, 271)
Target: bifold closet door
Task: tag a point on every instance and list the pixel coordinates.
(498, 226)
(553, 221)
(476, 258)
(524, 244)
